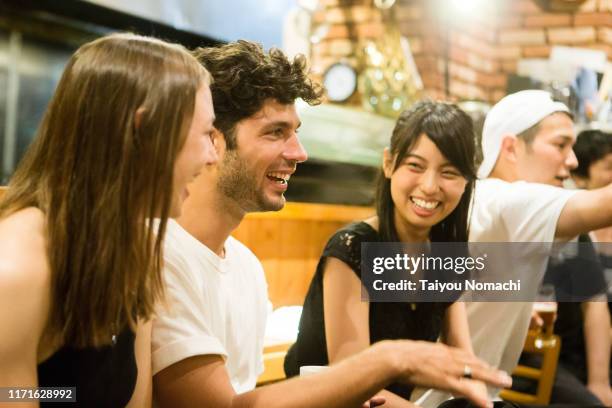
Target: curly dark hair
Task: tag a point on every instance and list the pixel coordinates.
(245, 76)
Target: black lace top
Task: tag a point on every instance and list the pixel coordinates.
(422, 321)
(103, 377)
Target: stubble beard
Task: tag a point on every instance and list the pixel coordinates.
(237, 183)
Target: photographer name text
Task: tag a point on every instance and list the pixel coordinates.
(425, 285)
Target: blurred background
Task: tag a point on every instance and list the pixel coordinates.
(375, 58)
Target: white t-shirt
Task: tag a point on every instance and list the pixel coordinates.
(214, 306)
(508, 212)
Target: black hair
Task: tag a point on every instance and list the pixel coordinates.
(452, 131)
(591, 146)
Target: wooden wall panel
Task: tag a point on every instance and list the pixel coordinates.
(289, 242)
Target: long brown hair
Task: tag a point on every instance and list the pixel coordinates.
(452, 131)
(101, 180)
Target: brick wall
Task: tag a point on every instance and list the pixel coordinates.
(482, 49)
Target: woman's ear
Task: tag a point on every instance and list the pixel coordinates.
(387, 163)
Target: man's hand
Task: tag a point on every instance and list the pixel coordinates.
(435, 365)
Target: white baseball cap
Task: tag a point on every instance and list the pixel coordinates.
(512, 115)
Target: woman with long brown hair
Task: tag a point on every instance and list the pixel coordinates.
(83, 220)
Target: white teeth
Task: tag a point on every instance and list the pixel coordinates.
(428, 205)
(283, 176)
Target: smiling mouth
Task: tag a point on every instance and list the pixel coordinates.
(424, 204)
(279, 178)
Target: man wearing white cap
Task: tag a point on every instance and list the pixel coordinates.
(526, 137)
(527, 151)
(529, 137)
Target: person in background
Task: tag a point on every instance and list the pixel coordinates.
(582, 322)
(594, 152)
(527, 154)
(207, 344)
(575, 276)
(127, 128)
(585, 327)
(423, 195)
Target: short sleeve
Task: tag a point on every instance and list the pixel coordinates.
(530, 211)
(345, 244)
(180, 327)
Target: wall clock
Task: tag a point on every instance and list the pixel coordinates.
(340, 82)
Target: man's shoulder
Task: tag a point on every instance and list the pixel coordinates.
(181, 246)
(493, 187)
(490, 182)
(175, 235)
(492, 190)
(516, 211)
(237, 249)
(185, 258)
(496, 185)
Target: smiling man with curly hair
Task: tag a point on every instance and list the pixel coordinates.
(207, 344)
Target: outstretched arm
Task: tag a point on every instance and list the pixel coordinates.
(585, 211)
(203, 381)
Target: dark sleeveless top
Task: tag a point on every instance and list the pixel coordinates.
(387, 321)
(103, 377)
